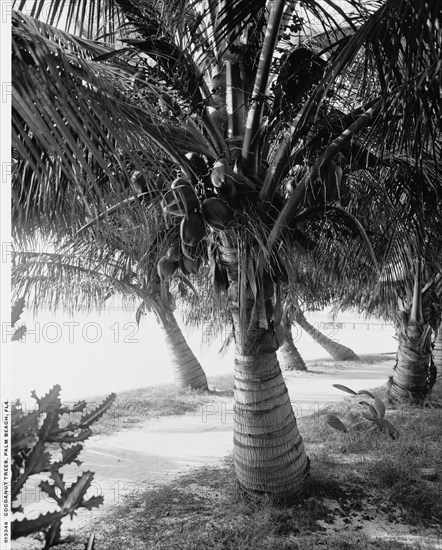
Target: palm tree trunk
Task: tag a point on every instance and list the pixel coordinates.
(187, 370)
(269, 452)
(437, 350)
(413, 373)
(336, 350)
(268, 448)
(288, 354)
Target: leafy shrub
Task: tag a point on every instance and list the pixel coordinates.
(375, 414)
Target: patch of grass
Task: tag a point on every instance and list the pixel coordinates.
(394, 469)
(205, 510)
(222, 384)
(328, 362)
(132, 407)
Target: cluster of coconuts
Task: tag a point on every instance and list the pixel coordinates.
(214, 212)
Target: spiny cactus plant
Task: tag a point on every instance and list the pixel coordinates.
(375, 414)
(37, 437)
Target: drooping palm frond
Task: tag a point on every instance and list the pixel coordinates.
(204, 309)
(54, 281)
(407, 45)
(171, 62)
(78, 126)
(401, 216)
(84, 18)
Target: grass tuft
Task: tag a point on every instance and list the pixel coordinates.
(143, 404)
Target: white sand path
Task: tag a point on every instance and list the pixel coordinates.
(155, 450)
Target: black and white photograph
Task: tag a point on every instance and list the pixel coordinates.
(221, 274)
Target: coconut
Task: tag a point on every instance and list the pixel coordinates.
(217, 213)
(174, 253)
(180, 200)
(182, 266)
(219, 171)
(138, 182)
(191, 266)
(192, 229)
(165, 268)
(228, 191)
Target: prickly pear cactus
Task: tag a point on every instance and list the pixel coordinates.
(35, 437)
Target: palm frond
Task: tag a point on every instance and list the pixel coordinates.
(78, 127)
(407, 44)
(84, 18)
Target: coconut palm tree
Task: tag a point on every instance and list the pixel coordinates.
(288, 354)
(406, 245)
(257, 112)
(338, 351)
(79, 276)
(414, 373)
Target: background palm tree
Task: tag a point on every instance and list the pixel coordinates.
(406, 245)
(288, 354)
(270, 141)
(81, 276)
(338, 351)
(414, 373)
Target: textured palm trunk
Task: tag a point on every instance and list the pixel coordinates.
(413, 373)
(269, 452)
(187, 370)
(288, 354)
(336, 350)
(268, 448)
(437, 351)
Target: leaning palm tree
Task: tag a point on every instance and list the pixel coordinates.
(243, 118)
(288, 355)
(80, 276)
(338, 351)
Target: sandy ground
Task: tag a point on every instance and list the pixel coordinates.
(155, 451)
